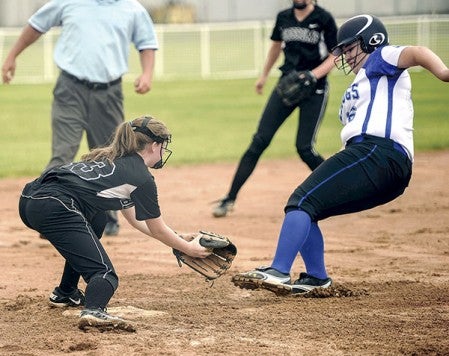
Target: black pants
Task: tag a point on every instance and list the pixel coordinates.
(57, 217)
(274, 115)
(363, 175)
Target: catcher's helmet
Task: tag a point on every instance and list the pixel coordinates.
(367, 29)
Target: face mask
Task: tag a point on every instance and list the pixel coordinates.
(299, 6)
(158, 165)
(165, 154)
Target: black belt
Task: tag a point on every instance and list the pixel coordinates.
(91, 85)
(398, 147)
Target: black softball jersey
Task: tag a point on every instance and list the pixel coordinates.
(306, 43)
(101, 186)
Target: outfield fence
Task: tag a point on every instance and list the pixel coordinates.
(215, 50)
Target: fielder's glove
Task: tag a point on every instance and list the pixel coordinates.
(217, 263)
(296, 86)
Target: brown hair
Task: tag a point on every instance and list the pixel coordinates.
(127, 141)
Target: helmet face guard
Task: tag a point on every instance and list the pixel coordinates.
(367, 30)
(163, 140)
(165, 155)
(347, 66)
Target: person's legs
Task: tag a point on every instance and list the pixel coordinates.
(358, 178)
(105, 113)
(67, 293)
(66, 228)
(72, 235)
(68, 121)
(310, 117)
(69, 280)
(294, 232)
(273, 116)
(312, 253)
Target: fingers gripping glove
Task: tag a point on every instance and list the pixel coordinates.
(296, 86)
(217, 263)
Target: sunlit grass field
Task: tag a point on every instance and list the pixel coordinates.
(211, 120)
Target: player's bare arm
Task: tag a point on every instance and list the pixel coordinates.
(130, 216)
(160, 231)
(143, 83)
(28, 36)
(273, 54)
(157, 229)
(422, 56)
(324, 68)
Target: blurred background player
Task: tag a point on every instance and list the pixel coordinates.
(375, 166)
(305, 33)
(67, 204)
(92, 53)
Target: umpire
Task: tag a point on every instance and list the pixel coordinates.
(305, 33)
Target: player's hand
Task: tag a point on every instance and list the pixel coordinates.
(8, 70)
(260, 84)
(142, 85)
(188, 236)
(196, 250)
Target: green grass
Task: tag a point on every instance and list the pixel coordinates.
(211, 121)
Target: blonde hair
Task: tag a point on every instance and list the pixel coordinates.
(127, 140)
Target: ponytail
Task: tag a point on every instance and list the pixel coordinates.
(127, 141)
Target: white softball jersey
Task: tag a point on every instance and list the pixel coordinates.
(379, 102)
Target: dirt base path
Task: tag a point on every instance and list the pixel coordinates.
(390, 266)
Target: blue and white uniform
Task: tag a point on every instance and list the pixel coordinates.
(379, 102)
(375, 166)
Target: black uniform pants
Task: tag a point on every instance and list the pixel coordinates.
(368, 173)
(57, 218)
(274, 115)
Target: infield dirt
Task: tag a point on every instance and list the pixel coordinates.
(390, 266)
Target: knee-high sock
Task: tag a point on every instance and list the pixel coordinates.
(312, 253)
(98, 293)
(69, 279)
(294, 232)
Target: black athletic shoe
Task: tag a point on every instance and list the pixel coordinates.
(61, 300)
(223, 207)
(100, 319)
(305, 283)
(111, 229)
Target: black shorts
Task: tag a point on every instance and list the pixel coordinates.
(367, 173)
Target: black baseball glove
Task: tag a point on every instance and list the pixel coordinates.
(217, 263)
(296, 86)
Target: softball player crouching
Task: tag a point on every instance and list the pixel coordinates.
(67, 204)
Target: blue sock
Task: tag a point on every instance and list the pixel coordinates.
(294, 232)
(312, 253)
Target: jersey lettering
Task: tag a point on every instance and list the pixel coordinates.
(352, 93)
(351, 114)
(91, 170)
(301, 34)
